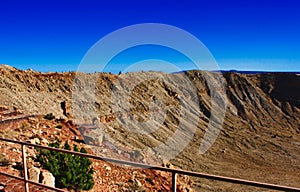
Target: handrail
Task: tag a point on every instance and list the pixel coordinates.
(32, 182)
(173, 171)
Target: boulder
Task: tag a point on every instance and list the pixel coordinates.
(65, 106)
(92, 135)
(2, 187)
(35, 141)
(93, 139)
(34, 174)
(48, 179)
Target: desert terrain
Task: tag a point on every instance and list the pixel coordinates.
(258, 136)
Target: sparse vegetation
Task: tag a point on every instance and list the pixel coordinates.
(4, 161)
(70, 171)
(49, 116)
(25, 126)
(58, 126)
(259, 135)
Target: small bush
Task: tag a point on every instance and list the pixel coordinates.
(70, 171)
(49, 116)
(4, 161)
(25, 126)
(58, 126)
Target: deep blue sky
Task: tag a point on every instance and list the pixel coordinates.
(243, 35)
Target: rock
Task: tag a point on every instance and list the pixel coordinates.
(66, 109)
(4, 161)
(61, 119)
(15, 150)
(34, 174)
(35, 141)
(71, 123)
(137, 155)
(137, 183)
(107, 168)
(2, 187)
(102, 119)
(3, 107)
(167, 164)
(74, 131)
(48, 179)
(95, 121)
(31, 154)
(92, 135)
(144, 161)
(32, 120)
(45, 141)
(150, 180)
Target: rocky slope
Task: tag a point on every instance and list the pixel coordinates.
(259, 138)
(107, 176)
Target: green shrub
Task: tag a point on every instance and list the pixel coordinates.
(58, 126)
(70, 171)
(49, 116)
(4, 161)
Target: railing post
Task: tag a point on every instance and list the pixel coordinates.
(174, 175)
(25, 168)
(174, 172)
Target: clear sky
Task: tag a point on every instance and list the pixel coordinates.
(52, 35)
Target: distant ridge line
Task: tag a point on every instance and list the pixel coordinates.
(258, 72)
(244, 72)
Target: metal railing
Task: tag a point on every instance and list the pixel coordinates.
(174, 172)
